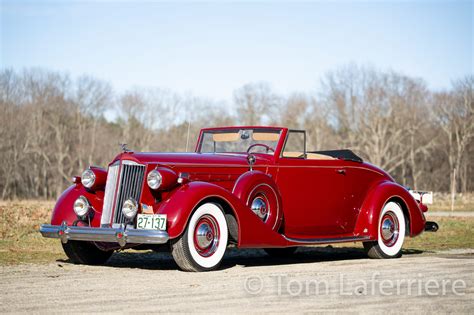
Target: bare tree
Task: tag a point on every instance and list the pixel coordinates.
(53, 126)
(379, 115)
(255, 103)
(454, 112)
(92, 98)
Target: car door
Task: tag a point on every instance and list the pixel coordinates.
(313, 193)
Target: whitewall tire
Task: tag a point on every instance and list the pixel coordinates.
(203, 244)
(390, 233)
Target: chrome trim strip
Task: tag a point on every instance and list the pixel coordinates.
(327, 240)
(128, 162)
(113, 235)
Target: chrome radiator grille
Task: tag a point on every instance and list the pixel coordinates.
(129, 179)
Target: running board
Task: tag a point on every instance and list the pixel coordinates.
(327, 240)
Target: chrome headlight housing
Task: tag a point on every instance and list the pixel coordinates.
(88, 178)
(81, 206)
(130, 208)
(154, 179)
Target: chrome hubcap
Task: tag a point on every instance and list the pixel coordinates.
(389, 228)
(206, 236)
(259, 207)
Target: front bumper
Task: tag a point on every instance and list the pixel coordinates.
(121, 235)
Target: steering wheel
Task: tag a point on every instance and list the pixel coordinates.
(261, 145)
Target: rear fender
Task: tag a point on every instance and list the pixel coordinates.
(251, 230)
(367, 222)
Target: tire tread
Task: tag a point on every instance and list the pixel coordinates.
(182, 256)
(85, 253)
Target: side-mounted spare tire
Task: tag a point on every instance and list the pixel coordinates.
(260, 193)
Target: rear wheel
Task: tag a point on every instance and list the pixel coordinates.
(203, 244)
(86, 253)
(280, 252)
(391, 233)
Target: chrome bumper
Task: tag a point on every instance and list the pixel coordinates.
(121, 236)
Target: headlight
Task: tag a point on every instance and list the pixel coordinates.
(81, 206)
(88, 178)
(154, 179)
(130, 208)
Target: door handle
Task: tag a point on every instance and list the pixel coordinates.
(341, 171)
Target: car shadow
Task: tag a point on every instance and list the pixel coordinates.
(311, 254)
(242, 257)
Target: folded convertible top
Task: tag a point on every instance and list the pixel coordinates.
(347, 155)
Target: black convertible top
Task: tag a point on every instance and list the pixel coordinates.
(347, 155)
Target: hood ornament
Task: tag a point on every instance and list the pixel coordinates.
(124, 148)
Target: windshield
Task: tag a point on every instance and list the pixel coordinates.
(240, 141)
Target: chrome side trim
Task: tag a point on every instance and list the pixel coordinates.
(113, 235)
(327, 240)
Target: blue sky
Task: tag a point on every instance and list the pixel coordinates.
(210, 49)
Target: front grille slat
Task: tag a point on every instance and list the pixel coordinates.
(110, 186)
(129, 181)
(129, 187)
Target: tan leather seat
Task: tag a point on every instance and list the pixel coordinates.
(309, 156)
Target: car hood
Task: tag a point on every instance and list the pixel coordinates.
(189, 158)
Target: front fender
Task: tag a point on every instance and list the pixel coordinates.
(180, 205)
(63, 210)
(380, 194)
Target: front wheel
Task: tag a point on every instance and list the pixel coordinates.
(203, 244)
(86, 253)
(391, 233)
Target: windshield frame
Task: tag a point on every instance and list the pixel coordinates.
(281, 135)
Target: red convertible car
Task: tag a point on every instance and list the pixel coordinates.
(255, 187)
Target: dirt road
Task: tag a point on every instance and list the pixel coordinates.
(315, 279)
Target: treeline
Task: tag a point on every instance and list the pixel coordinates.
(52, 126)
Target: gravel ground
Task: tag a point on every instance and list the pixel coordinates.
(315, 279)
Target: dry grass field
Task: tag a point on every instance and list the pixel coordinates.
(462, 202)
(20, 241)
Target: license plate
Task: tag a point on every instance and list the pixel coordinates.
(151, 222)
